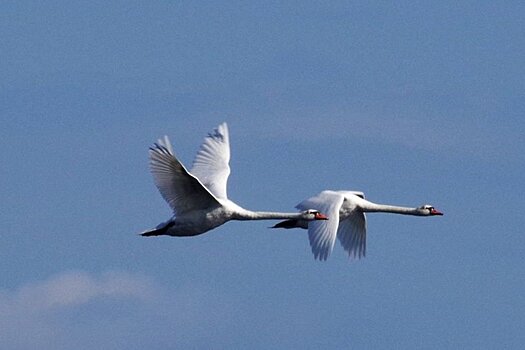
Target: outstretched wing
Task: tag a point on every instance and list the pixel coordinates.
(183, 191)
(211, 163)
(352, 234)
(322, 233)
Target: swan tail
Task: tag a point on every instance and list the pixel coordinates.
(154, 232)
(160, 230)
(292, 223)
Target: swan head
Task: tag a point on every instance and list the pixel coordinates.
(428, 210)
(313, 214)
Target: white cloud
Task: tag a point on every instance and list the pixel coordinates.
(115, 310)
(28, 315)
(75, 288)
(448, 135)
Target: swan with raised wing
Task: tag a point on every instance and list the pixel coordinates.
(346, 210)
(198, 197)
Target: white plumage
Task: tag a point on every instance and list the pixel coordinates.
(346, 210)
(199, 198)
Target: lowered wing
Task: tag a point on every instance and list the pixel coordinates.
(352, 234)
(322, 233)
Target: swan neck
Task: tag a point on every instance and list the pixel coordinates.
(266, 215)
(384, 208)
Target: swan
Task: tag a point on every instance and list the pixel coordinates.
(346, 210)
(198, 198)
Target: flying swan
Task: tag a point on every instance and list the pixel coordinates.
(346, 210)
(198, 198)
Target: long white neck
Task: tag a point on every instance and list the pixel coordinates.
(369, 207)
(266, 215)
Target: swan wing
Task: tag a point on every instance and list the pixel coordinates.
(183, 191)
(322, 233)
(211, 163)
(352, 234)
(355, 193)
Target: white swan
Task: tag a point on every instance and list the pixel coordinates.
(198, 198)
(346, 210)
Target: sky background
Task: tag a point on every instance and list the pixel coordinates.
(411, 103)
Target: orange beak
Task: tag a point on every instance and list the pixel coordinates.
(436, 212)
(319, 216)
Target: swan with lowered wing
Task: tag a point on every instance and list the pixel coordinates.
(346, 210)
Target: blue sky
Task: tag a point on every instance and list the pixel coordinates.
(410, 103)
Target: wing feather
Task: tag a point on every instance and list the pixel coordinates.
(183, 191)
(355, 193)
(352, 234)
(322, 233)
(211, 163)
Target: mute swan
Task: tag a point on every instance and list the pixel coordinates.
(346, 210)
(198, 198)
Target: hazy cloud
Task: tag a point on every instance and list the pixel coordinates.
(442, 135)
(33, 316)
(114, 310)
(75, 288)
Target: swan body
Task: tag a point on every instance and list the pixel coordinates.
(346, 210)
(199, 198)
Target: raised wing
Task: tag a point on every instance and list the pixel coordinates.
(322, 233)
(211, 163)
(183, 191)
(352, 234)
